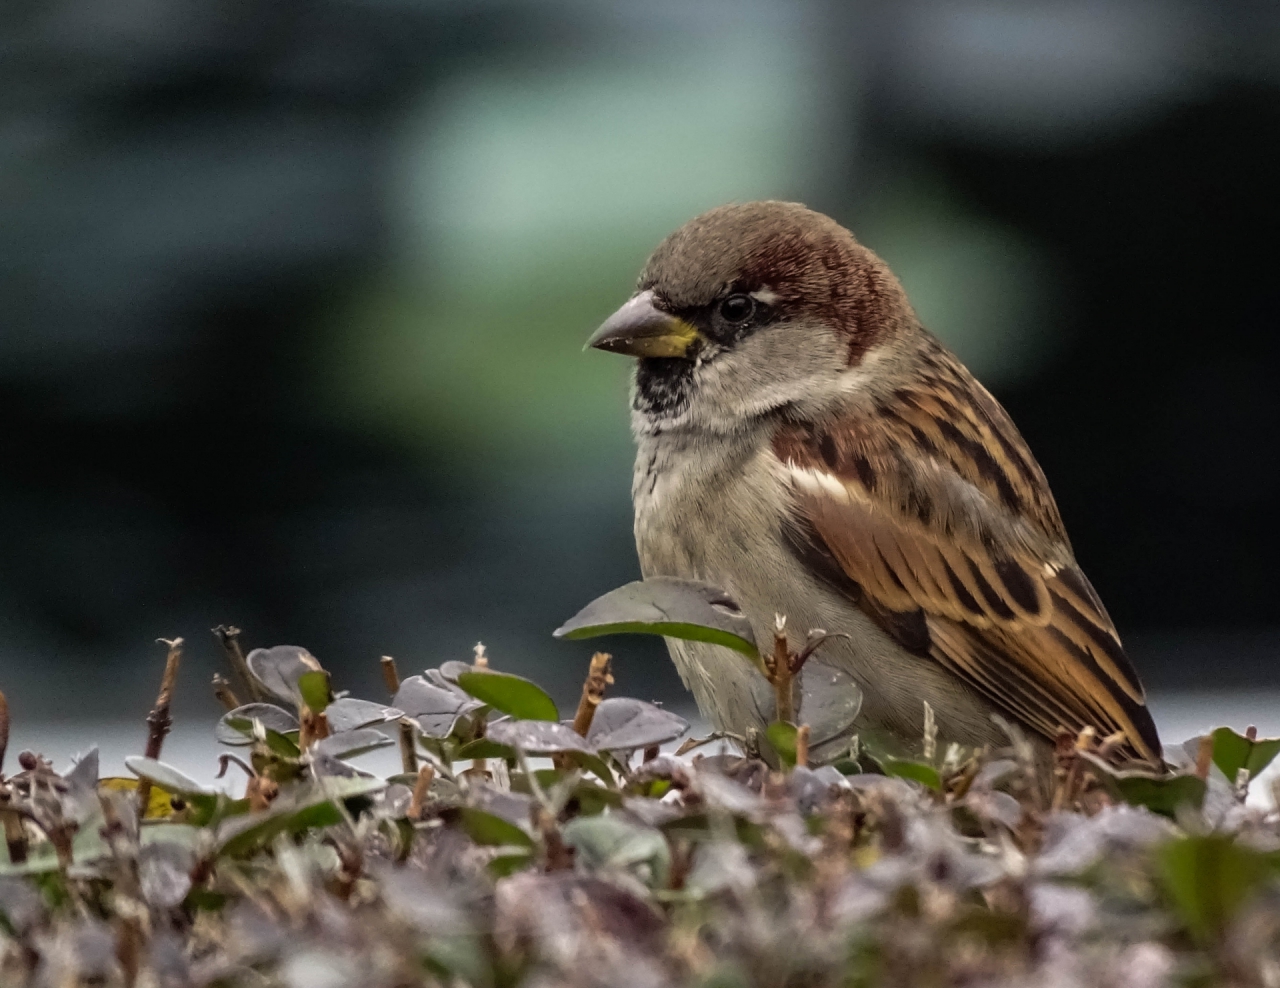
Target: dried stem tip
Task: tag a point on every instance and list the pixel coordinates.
(599, 678)
(158, 721)
(408, 751)
(228, 636)
(421, 788)
(390, 675)
(778, 666)
(802, 746)
(222, 690)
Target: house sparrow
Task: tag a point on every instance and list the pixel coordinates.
(806, 445)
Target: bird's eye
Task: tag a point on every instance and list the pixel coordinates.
(737, 309)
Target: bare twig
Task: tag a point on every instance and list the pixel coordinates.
(599, 678)
(817, 638)
(15, 835)
(390, 675)
(779, 666)
(228, 636)
(802, 746)
(158, 721)
(222, 690)
(226, 760)
(408, 744)
(421, 789)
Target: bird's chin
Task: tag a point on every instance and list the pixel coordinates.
(663, 387)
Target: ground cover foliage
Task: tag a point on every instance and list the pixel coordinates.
(519, 848)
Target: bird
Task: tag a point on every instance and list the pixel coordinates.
(806, 445)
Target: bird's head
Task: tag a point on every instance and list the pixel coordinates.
(750, 308)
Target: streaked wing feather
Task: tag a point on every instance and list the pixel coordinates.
(942, 522)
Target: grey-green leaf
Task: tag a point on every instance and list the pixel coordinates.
(280, 667)
(537, 737)
(236, 726)
(608, 842)
(350, 714)
(435, 709)
(165, 776)
(1159, 793)
(621, 723)
(665, 606)
(349, 744)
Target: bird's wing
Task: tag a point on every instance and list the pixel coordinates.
(936, 518)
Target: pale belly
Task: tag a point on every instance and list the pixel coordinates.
(719, 523)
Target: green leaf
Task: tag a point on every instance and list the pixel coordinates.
(665, 606)
(920, 772)
(592, 763)
(484, 748)
(1231, 752)
(1209, 877)
(492, 831)
(610, 842)
(259, 829)
(591, 798)
(508, 864)
(509, 694)
(783, 738)
(314, 687)
(292, 813)
(1161, 794)
(282, 744)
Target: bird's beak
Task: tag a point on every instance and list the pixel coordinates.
(641, 329)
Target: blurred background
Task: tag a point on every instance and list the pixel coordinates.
(293, 295)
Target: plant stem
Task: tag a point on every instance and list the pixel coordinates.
(408, 747)
(599, 678)
(802, 746)
(158, 721)
(222, 690)
(228, 636)
(420, 790)
(780, 669)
